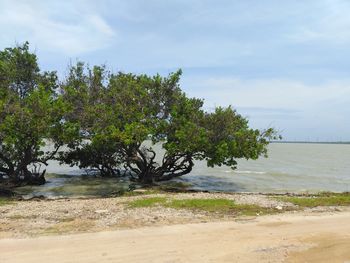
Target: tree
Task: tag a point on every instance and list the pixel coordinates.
(85, 89)
(136, 112)
(30, 116)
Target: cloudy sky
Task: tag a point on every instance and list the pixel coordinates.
(280, 63)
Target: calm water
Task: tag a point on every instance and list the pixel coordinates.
(290, 167)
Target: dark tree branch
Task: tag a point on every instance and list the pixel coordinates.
(4, 170)
(7, 161)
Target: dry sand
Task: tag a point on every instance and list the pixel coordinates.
(47, 217)
(299, 237)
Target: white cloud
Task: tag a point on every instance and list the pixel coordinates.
(63, 28)
(267, 93)
(295, 108)
(331, 24)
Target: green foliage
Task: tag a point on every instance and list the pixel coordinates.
(112, 122)
(19, 70)
(229, 138)
(123, 116)
(95, 146)
(30, 115)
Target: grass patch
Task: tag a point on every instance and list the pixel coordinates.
(321, 199)
(148, 202)
(5, 201)
(210, 205)
(224, 206)
(221, 206)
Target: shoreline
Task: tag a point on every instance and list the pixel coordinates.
(42, 216)
(137, 193)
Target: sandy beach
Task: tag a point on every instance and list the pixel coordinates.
(115, 230)
(279, 238)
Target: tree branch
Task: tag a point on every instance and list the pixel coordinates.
(7, 161)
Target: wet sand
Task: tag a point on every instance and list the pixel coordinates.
(298, 237)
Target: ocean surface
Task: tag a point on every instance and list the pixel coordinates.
(290, 167)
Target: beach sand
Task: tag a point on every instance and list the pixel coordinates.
(108, 230)
(278, 238)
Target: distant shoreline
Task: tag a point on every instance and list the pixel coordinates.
(311, 142)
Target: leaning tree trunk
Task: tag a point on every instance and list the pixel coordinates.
(173, 166)
(21, 177)
(148, 171)
(34, 178)
(18, 173)
(147, 177)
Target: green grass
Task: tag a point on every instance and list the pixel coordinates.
(221, 206)
(5, 201)
(321, 199)
(224, 206)
(148, 202)
(210, 205)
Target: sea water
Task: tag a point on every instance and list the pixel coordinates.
(294, 167)
(290, 167)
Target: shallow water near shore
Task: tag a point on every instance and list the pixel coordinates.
(291, 167)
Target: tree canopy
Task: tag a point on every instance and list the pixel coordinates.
(125, 116)
(30, 116)
(137, 125)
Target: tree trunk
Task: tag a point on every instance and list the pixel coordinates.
(141, 162)
(25, 177)
(147, 177)
(34, 178)
(4, 192)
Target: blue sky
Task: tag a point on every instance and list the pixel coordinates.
(280, 63)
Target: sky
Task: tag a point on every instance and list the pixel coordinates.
(282, 64)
